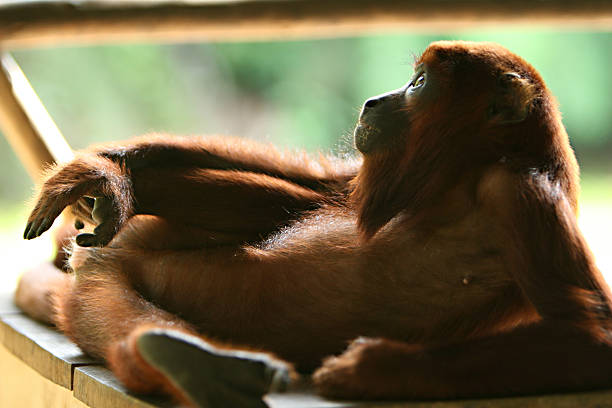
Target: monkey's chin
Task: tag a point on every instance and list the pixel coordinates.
(365, 137)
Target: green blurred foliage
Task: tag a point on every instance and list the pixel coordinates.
(304, 94)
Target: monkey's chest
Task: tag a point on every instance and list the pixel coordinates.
(444, 278)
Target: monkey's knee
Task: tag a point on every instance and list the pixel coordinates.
(77, 308)
(37, 289)
(125, 360)
(87, 310)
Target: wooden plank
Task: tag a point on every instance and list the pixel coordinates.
(45, 350)
(57, 360)
(97, 387)
(43, 23)
(26, 124)
(305, 399)
(21, 386)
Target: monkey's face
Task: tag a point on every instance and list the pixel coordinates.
(462, 95)
(387, 115)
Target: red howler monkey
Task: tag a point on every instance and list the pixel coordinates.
(453, 248)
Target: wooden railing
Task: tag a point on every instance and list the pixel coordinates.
(52, 22)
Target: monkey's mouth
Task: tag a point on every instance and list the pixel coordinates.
(365, 136)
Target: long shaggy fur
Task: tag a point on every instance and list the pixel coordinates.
(453, 248)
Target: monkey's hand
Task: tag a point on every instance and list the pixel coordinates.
(375, 369)
(72, 184)
(107, 219)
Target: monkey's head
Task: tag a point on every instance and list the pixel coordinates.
(467, 106)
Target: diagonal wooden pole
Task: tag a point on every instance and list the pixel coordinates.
(26, 124)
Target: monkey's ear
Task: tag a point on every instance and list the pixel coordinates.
(512, 100)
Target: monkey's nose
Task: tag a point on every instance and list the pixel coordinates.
(372, 102)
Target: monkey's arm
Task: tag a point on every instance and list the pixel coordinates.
(227, 153)
(543, 358)
(245, 204)
(548, 256)
(567, 349)
(134, 178)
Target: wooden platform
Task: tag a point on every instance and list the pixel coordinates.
(39, 367)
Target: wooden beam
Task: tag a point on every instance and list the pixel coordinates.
(26, 124)
(81, 22)
(97, 386)
(43, 349)
(21, 386)
(33, 357)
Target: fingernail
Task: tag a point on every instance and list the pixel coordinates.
(27, 229)
(44, 225)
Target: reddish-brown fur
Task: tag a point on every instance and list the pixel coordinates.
(454, 245)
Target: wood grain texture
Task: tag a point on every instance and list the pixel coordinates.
(21, 386)
(97, 387)
(305, 399)
(43, 349)
(52, 22)
(36, 364)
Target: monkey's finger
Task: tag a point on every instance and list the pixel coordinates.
(106, 231)
(40, 221)
(48, 208)
(34, 221)
(26, 232)
(45, 224)
(102, 235)
(86, 240)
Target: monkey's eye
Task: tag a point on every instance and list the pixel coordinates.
(416, 83)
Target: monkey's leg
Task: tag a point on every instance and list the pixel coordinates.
(149, 349)
(542, 358)
(36, 288)
(37, 284)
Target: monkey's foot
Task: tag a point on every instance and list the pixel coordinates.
(209, 376)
